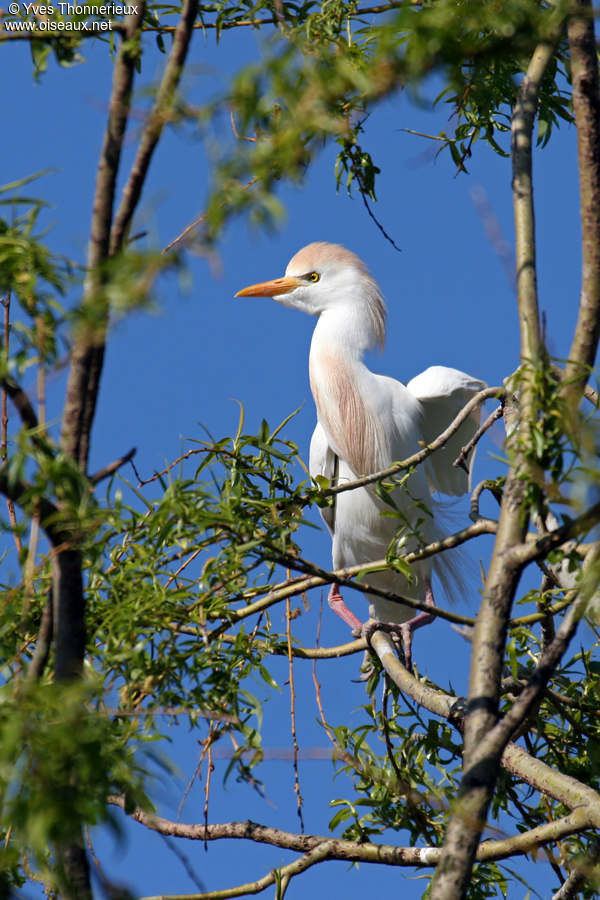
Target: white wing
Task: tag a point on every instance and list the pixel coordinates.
(443, 392)
(321, 461)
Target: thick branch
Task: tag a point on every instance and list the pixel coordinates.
(352, 851)
(88, 352)
(521, 132)
(515, 759)
(586, 106)
(21, 402)
(452, 876)
(499, 736)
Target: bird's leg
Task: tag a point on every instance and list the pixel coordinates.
(407, 628)
(337, 604)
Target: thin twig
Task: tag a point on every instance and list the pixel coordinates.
(417, 458)
(190, 871)
(118, 27)
(112, 467)
(210, 767)
(462, 456)
(494, 234)
(193, 225)
(288, 632)
(316, 681)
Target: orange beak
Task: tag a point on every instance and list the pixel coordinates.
(271, 288)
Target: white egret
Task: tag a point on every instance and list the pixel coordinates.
(368, 421)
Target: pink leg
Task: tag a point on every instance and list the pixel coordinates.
(340, 609)
(407, 628)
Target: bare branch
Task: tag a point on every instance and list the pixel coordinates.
(20, 401)
(352, 851)
(485, 485)
(112, 467)
(159, 115)
(44, 641)
(586, 107)
(88, 353)
(521, 131)
(187, 231)
(462, 456)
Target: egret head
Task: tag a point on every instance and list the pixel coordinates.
(323, 277)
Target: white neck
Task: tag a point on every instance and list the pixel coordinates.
(340, 386)
(345, 329)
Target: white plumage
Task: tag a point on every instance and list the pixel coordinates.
(369, 421)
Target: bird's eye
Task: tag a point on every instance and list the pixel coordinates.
(313, 276)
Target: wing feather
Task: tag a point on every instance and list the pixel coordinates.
(443, 392)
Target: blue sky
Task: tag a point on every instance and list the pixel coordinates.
(171, 372)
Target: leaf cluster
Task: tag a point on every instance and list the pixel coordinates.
(322, 74)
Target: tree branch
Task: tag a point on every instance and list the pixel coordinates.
(515, 759)
(586, 107)
(464, 453)
(159, 115)
(421, 455)
(346, 575)
(452, 876)
(20, 401)
(88, 352)
(501, 733)
(112, 467)
(351, 851)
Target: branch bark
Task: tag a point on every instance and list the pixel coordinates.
(586, 106)
(159, 115)
(514, 758)
(88, 352)
(351, 851)
(480, 768)
(80, 405)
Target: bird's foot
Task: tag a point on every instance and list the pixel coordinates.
(394, 630)
(336, 603)
(401, 633)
